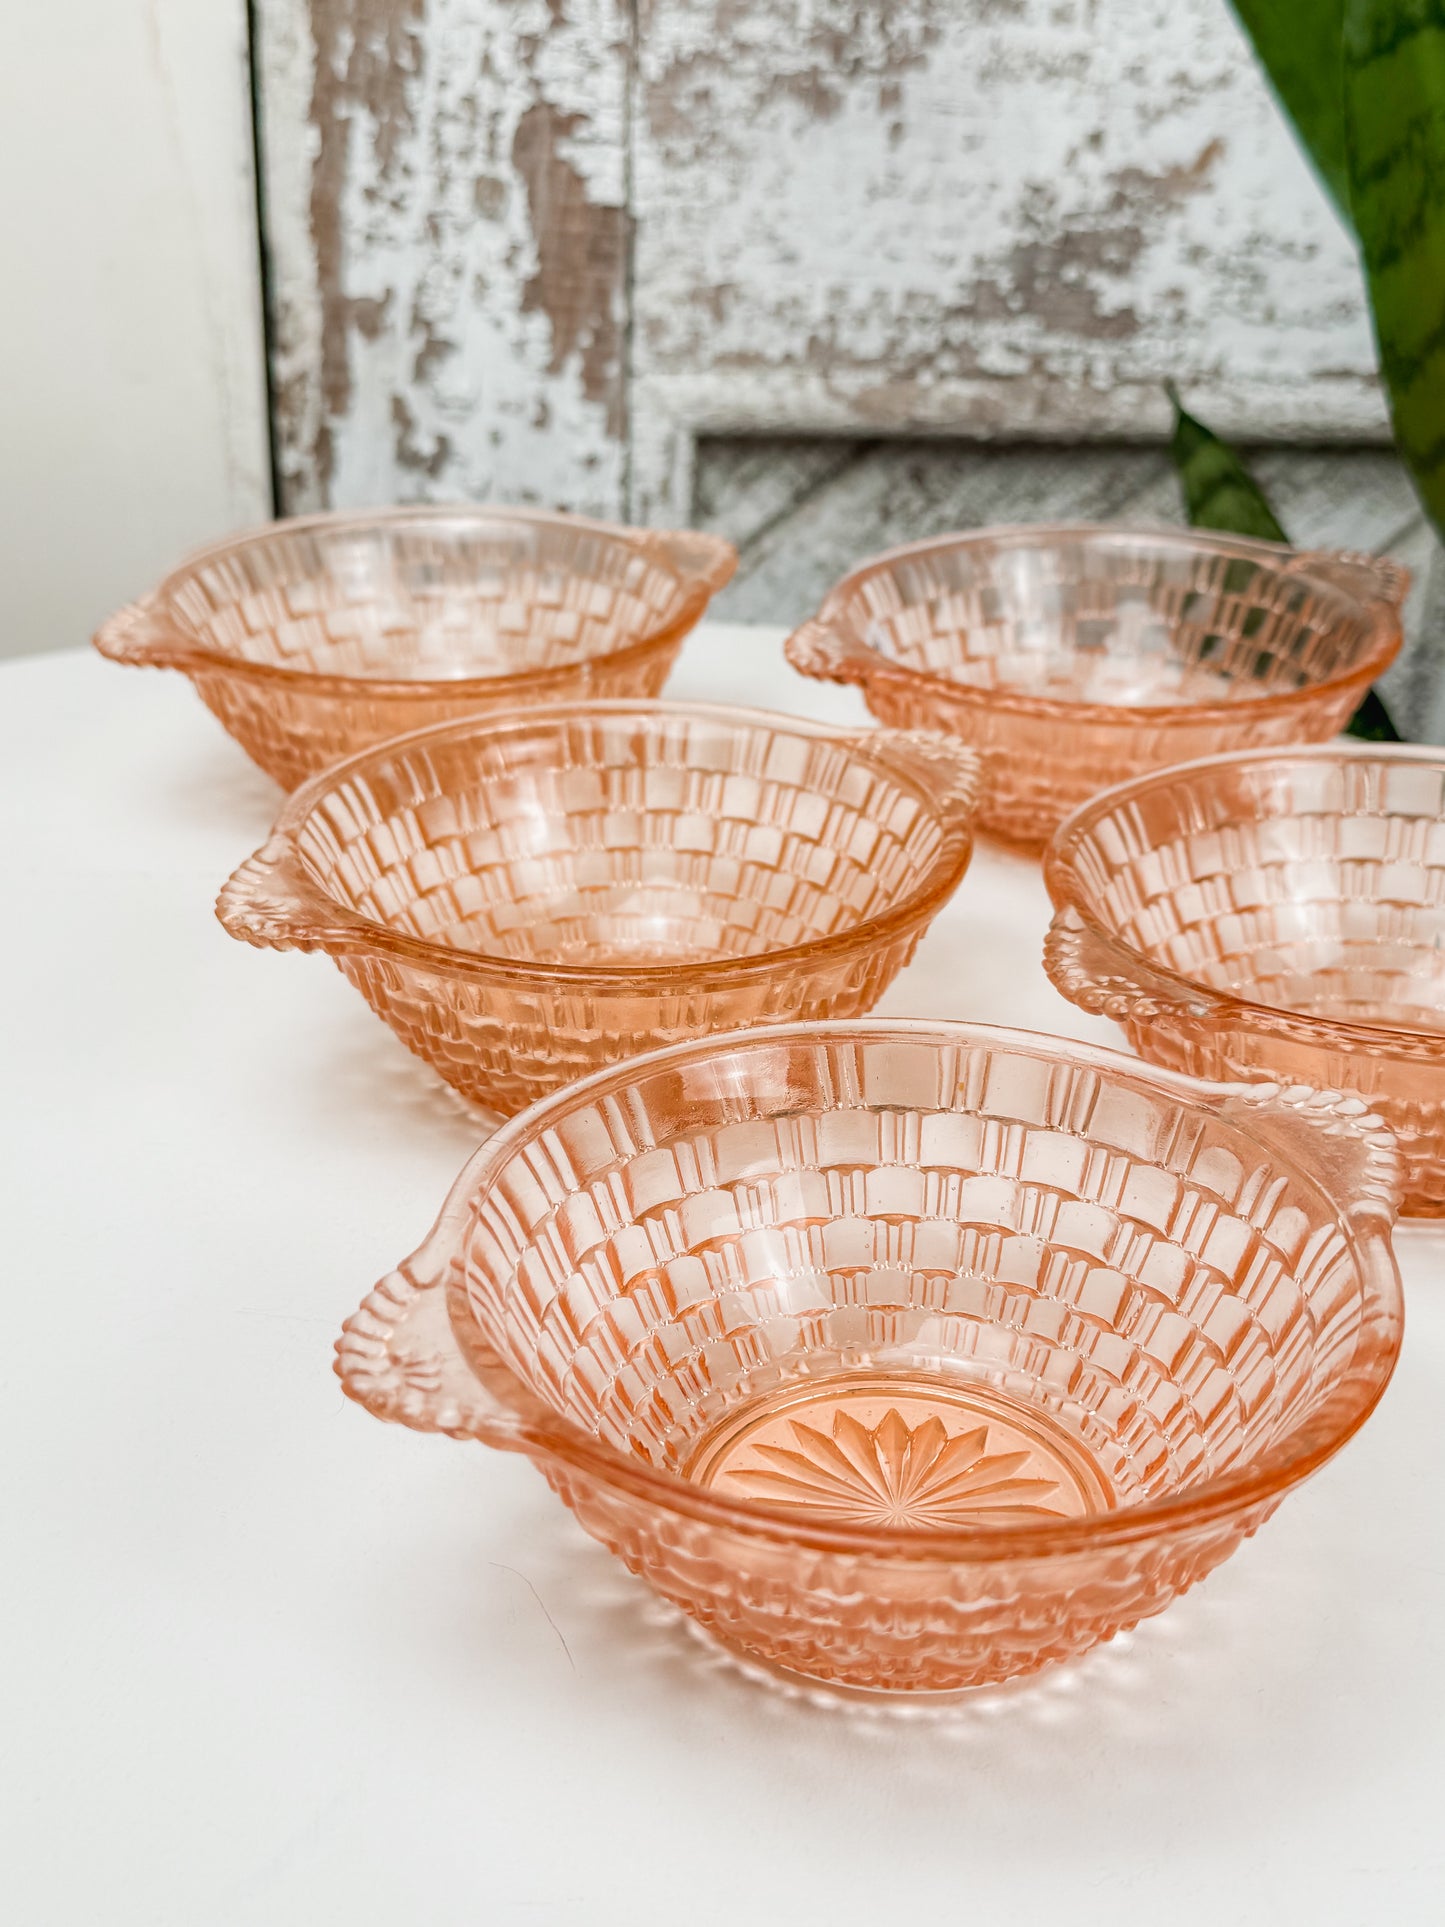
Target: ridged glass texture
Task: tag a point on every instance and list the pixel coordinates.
(1273, 915)
(1074, 657)
(905, 1357)
(312, 638)
(526, 899)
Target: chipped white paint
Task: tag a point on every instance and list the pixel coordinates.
(1000, 217)
(997, 218)
(447, 252)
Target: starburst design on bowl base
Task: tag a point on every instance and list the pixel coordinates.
(897, 1474)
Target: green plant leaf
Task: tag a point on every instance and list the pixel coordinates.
(1298, 43)
(1371, 721)
(1219, 491)
(1394, 97)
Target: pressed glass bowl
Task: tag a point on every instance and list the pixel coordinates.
(312, 638)
(528, 898)
(1272, 915)
(1074, 657)
(905, 1357)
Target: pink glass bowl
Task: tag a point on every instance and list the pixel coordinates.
(1272, 915)
(312, 638)
(527, 898)
(1074, 657)
(905, 1357)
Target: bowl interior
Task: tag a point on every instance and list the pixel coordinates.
(1309, 883)
(1103, 617)
(607, 837)
(431, 598)
(912, 1279)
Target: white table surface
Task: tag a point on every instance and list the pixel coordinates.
(265, 1660)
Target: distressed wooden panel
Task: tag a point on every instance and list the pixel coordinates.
(448, 246)
(884, 493)
(745, 486)
(994, 217)
(534, 248)
(804, 513)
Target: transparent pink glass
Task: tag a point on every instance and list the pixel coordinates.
(526, 898)
(1074, 657)
(312, 638)
(1272, 915)
(905, 1357)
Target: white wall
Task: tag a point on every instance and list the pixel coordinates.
(132, 390)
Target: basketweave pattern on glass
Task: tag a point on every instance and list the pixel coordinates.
(1408, 1096)
(1179, 1313)
(1312, 887)
(861, 1620)
(693, 853)
(1083, 620)
(525, 898)
(502, 1048)
(1036, 770)
(1074, 657)
(1164, 1304)
(398, 601)
(1339, 908)
(292, 732)
(311, 639)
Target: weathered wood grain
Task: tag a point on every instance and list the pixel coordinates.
(448, 241)
(891, 492)
(858, 218)
(1338, 498)
(994, 217)
(745, 486)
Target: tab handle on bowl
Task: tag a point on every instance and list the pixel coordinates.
(706, 560)
(398, 1357)
(1084, 966)
(1334, 1135)
(1371, 578)
(273, 902)
(950, 771)
(818, 650)
(139, 634)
